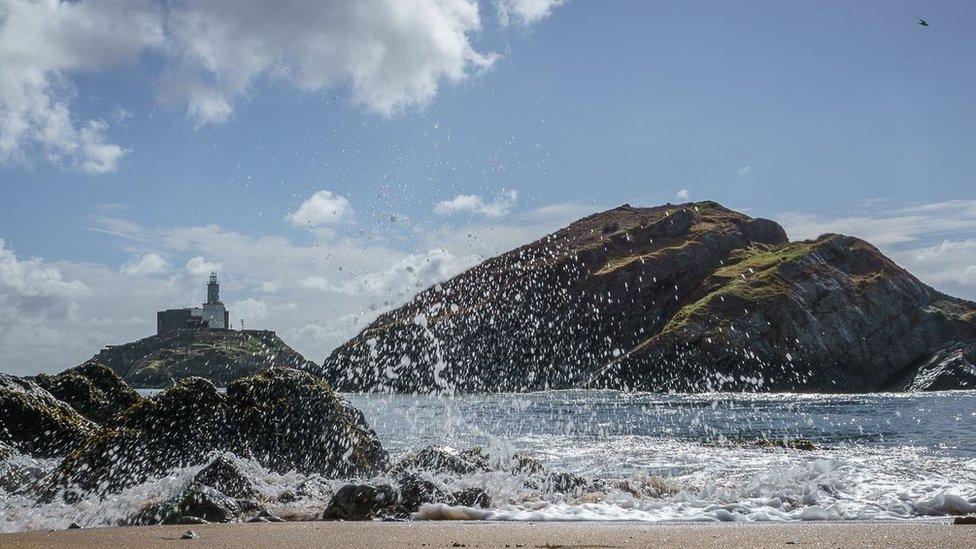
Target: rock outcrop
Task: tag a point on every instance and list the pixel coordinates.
(93, 390)
(220, 356)
(426, 476)
(953, 367)
(198, 504)
(285, 419)
(33, 422)
(692, 297)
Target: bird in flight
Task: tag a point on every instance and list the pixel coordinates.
(923, 22)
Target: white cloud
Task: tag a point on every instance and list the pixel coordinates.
(682, 194)
(267, 287)
(888, 226)
(526, 12)
(44, 42)
(32, 288)
(946, 248)
(317, 283)
(744, 171)
(409, 275)
(322, 208)
(948, 262)
(249, 309)
(144, 265)
(476, 204)
(390, 54)
(199, 266)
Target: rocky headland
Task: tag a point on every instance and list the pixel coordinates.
(692, 297)
(220, 356)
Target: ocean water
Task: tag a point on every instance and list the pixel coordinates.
(720, 456)
(648, 457)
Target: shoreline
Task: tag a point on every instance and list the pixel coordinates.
(549, 535)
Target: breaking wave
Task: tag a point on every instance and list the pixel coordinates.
(645, 457)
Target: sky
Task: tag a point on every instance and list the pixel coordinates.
(329, 160)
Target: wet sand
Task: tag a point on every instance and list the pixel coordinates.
(549, 535)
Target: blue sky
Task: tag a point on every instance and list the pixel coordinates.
(168, 139)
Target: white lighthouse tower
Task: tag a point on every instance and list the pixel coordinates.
(214, 312)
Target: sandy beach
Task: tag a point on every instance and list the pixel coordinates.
(510, 535)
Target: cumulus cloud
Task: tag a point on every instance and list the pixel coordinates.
(476, 204)
(249, 309)
(31, 288)
(389, 55)
(144, 265)
(199, 266)
(683, 194)
(525, 12)
(410, 274)
(42, 44)
(321, 209)
(948, 262)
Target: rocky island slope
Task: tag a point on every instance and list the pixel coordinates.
(220, 356)
(692, 297)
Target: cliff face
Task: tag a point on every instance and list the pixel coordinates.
(220, 356)
(692, 297)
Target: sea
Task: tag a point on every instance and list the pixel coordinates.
(648, 457)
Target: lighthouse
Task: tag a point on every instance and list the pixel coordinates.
(214, 313)
(211, 314)
(213, 290)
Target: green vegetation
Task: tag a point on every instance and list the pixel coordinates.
(754, 277)
(953, 309)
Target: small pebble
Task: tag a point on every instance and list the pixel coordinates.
(74, 526)
(189, 534)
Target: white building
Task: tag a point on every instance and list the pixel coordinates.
(211, 314)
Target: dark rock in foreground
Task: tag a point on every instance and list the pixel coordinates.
(362, 502)
(953, 367)
(222, 475)
(93, 390)
(197, 504)
(471, 497)
(220, 356)
(35, 423)
(285, 419)
(415, 486)
(693, 297)
(436, 459)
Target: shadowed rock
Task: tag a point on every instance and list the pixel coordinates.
(438, 459)
(362, 502)
(196, 505)
(471, 497)
(286, 419)
(35, 423)
(92, 389)
(224, 476)
(416, 491)
(951, 368)
(691, 297)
